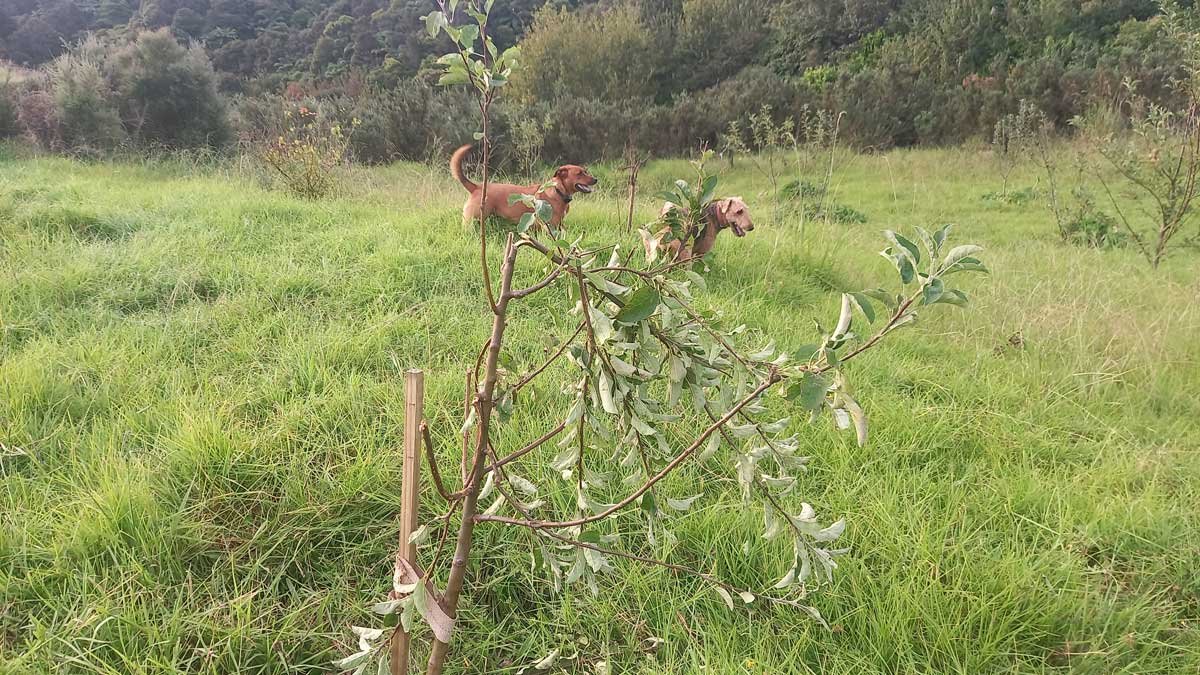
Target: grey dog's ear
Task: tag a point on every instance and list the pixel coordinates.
(726, 204)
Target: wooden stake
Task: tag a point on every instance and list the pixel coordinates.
(410, 493)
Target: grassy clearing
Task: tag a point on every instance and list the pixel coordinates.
(200, 407)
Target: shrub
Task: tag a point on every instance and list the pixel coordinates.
(802, 189)
(168, 92)
(1093, 228)
(306, 157)
(1012, 197)
(838, 213)
(621, 56)
(1013, 137)
(9, 125)
(413, 121)
(38, 117)
(87, 113)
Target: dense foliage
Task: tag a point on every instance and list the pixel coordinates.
(661, 74)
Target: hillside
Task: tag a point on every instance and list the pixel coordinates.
(906, 71)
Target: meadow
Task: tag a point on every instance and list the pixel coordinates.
(201, 409)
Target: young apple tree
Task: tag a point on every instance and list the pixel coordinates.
(648, 366)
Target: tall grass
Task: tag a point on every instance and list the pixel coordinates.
(200, 412)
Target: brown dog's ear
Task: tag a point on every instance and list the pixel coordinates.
(562, 172)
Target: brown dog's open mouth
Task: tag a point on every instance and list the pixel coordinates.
(585, 189)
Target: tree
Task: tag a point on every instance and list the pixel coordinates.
(111, 13)
(646, 368)
(608, 55)
(86, 111)
(716, 39)
(169, 92)
(188, 24)
(34, 41)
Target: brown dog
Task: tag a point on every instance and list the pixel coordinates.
(568, 180)
(730, 213)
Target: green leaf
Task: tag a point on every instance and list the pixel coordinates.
(883, 296)
(831, 357)
(649, 505)
(902, 242)
(932, 291)
(902, 263)
(510, 57)
(419, 537)
(939, 237)
(707, 188)
(907, 271)
(806, 353)
(967, 264)
(544, 210)
(640, 306)
(714, 444)
(864, 306)
(809, 392)
(453, 77)
(724, 596)
(435, 22)
(467, 36)
(927, 241)
(959, 252)
(526, 222)
(683, 504)
(953, 297)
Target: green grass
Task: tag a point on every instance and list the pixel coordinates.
(200, 406)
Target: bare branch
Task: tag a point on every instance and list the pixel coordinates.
(534, 445)
(433, 467)
(524, 292)
(553, 357)
(772, 379)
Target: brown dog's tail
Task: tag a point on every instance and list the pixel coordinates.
(456, 168)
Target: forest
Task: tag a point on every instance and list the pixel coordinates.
(659, 75)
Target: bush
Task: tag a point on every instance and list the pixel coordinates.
(1012, 197)
(168, 93)
(38, 117)
(86, 111)
(802, 189)
(835, 213)
(9, 125)
(413, 121)
(617, 56)
(307, 155)
(1093, 228)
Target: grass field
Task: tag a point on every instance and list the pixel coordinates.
(200, 411)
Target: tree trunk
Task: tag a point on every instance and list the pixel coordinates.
(484, 402)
